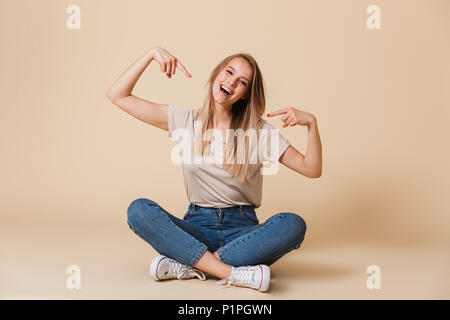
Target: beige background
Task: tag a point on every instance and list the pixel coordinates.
(71, 162)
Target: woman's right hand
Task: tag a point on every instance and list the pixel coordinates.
(167, 62)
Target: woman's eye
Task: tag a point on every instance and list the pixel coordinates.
(232, 73)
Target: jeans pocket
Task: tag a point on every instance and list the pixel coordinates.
(249, 215)
(187, 215)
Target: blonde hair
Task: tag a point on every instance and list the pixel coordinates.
(246, 114)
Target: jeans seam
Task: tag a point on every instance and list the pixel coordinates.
(221, 257)
(198, 255)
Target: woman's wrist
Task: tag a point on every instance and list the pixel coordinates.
(312, 121)
(150, 53)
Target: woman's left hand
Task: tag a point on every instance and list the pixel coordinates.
(292, 117)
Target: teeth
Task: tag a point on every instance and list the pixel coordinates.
(228, 91)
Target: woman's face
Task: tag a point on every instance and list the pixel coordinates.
(234, 78)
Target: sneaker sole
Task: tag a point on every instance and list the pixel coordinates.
(265, 278)
(154, 267)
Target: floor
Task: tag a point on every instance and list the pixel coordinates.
(114, 265)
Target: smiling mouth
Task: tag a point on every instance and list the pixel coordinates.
(225, 91)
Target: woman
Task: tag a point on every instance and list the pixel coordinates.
(220, 233)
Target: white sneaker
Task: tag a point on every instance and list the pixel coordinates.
(255, 277)
(163, 267)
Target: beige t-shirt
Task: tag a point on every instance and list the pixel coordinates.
(209, 185)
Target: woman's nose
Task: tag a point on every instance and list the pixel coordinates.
(231, 83)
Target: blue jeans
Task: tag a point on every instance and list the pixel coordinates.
(234, 232)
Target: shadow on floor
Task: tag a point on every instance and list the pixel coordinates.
(372, 213)
(283, 273)
(305, 270)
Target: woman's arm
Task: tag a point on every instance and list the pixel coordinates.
(120, 92)
(310, 165)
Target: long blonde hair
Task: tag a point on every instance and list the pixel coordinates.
(246, 114)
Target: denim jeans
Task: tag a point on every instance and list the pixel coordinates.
(234, 232)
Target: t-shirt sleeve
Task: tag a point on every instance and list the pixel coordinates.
(177, 118)
(272, 138)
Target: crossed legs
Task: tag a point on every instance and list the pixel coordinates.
(211, 263)
(182, 241)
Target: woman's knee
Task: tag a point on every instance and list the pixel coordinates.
(137, 208)
(295, 223)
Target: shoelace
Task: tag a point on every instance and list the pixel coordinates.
(226, 281)
(184, 272)
(242, 277)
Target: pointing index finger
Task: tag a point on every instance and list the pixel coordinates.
(277, 112)
(180, 65)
